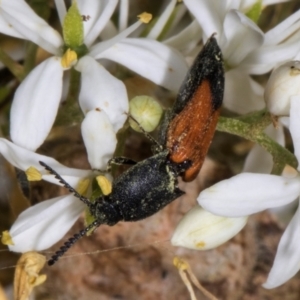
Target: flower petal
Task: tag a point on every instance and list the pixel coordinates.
(248, 193)
(207, 14)
(73, 181)
(99, 89)
(280, 32)
(182, 41)
(151, 59)
(100, 12)
(282, 85)
(201, 230)
(123, 14)
(242, 94)
(265, 58)
(32, 27)
(98, 48)
(241, 37)
(286, 263)
(23, 159)
(42, 225)
(294, 125)
(61, 10)
(161, 21)
(35, 104)
(99, 138)
(269, 2)
(6, 28)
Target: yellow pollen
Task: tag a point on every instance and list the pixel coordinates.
(104, 184)
(33, 174)
(180, 264)
(200, 245)
(83, 186)
(69, 58)
(7, 239)
(145, 17)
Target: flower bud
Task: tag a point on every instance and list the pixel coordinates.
(146, 111)
(201, 230)
(73, 27)
(283, 83)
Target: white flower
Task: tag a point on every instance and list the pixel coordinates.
(248, 193)
(246, 49)
(283, 84)
(201, 230)
(42, 225)
(37, 99)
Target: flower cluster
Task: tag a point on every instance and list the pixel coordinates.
(91, 42)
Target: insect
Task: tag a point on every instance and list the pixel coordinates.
(186, 133)
(192, 121)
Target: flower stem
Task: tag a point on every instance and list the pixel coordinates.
(16, 69)
(71, 113)
(42, 8)
(30, 57)
(251, 127)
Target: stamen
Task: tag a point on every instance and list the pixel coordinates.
(33, 174)
(104, 184)
(145, 17)
(188, 278)
(7, 239)
(69, 59)
(83, 186)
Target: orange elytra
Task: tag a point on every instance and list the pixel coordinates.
(194, 116)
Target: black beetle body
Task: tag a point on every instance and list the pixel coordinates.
(145, 188)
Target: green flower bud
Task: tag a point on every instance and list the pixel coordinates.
(255, 11)
(146, 111)
(73, 27)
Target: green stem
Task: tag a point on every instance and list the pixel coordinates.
(74, 86)
(71, 112)
(254, 132)
(42, 8)
(30, 57)
(121, 138)
(16, 69)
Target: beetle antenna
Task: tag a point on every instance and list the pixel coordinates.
(66, 185)
(70, 242)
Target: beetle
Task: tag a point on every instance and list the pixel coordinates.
(192, 121)
(149, 185)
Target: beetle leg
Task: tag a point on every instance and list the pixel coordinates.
(120, 160)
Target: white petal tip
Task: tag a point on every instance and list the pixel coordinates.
(201, 230)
